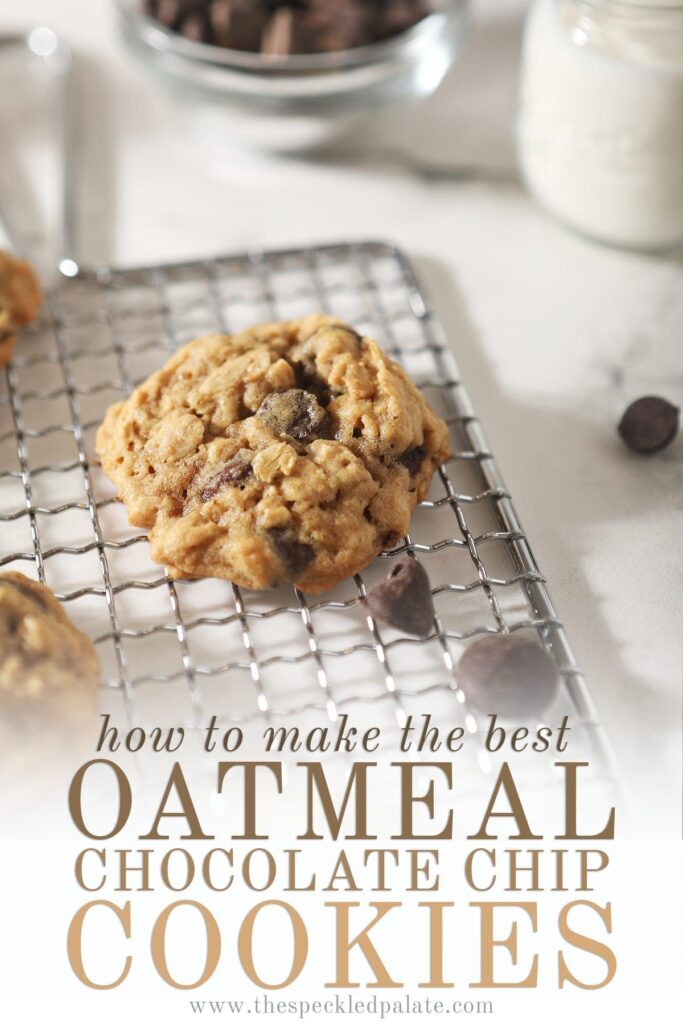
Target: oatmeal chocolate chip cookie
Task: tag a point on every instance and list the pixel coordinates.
(49, 671)
(20, 300)
(292, 452)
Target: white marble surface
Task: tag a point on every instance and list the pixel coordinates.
(553, 334)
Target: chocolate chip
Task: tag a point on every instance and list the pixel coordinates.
(235, 470)
(283, 34)
(649, 425)
(508, 675)
(404, 599)
(170, 13)
(337, 28)
(400, 15)
(318, 28)
(238, 24)
(283, 27)
(308, 379)
(197, 27)
(295, 413)
(295, 555)
(412, 459)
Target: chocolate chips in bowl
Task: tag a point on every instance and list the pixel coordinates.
(291, 76)
(282, 27)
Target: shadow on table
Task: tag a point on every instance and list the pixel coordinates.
(556, 443)
(466, 130)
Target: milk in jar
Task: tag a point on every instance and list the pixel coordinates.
(600, 129)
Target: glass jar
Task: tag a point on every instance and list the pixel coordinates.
(600, 129)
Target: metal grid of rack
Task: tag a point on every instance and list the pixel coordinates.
(180, 651)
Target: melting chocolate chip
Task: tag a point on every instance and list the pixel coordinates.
(404, 599)
(308, 379)
(295, 555)
(649, 425)
(508, 675)
(235, 470)
(413, 459)
(295, 413)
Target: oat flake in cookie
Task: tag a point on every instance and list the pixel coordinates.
(290, 453)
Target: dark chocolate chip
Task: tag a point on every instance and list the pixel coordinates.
(508, 675)
(340, 28)
(238, 24)
(308, 379)
(283, 34)
(398, 16)
(318, 28)
(233, 472)
(197, 27)
(649, 425)
(283, 27)
(404, 599)
(170, 13)
(295, 555)
(295, 413)
(412, 459)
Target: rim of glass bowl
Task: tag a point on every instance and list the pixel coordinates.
(168, 43)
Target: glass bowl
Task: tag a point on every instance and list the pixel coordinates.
(302, 101)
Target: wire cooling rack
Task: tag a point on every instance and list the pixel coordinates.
(181, 651)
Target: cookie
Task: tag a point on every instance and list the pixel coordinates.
(49, 671)
(289, 453)
(20, 300)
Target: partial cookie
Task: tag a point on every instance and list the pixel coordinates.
(20, 299)
(49, 671)
(292, 452)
